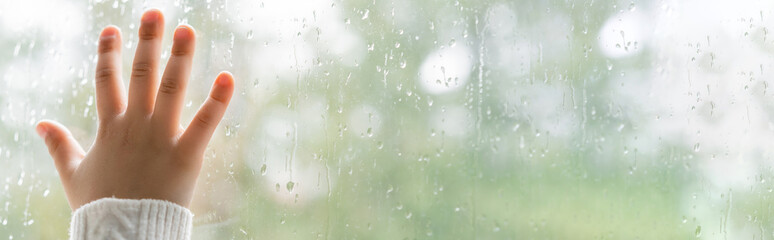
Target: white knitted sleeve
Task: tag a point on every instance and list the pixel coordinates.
(145, 219)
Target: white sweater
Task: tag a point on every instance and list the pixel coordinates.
(146, 219)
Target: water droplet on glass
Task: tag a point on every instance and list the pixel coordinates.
(365, 15)
(230, 131)
(290, 186)
(263, 170)
(21, 179)
(16, 49)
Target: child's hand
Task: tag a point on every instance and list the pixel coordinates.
(141, 151)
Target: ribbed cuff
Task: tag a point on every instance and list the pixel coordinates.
(145, 219)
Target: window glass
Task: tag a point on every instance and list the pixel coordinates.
(432, 119)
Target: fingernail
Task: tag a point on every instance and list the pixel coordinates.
(183, 32)
(42, 131)
(108, 33)
(150, 16)
(223, 79)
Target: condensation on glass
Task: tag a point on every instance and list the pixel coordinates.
(399, 119)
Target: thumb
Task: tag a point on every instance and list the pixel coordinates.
(67, 153)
